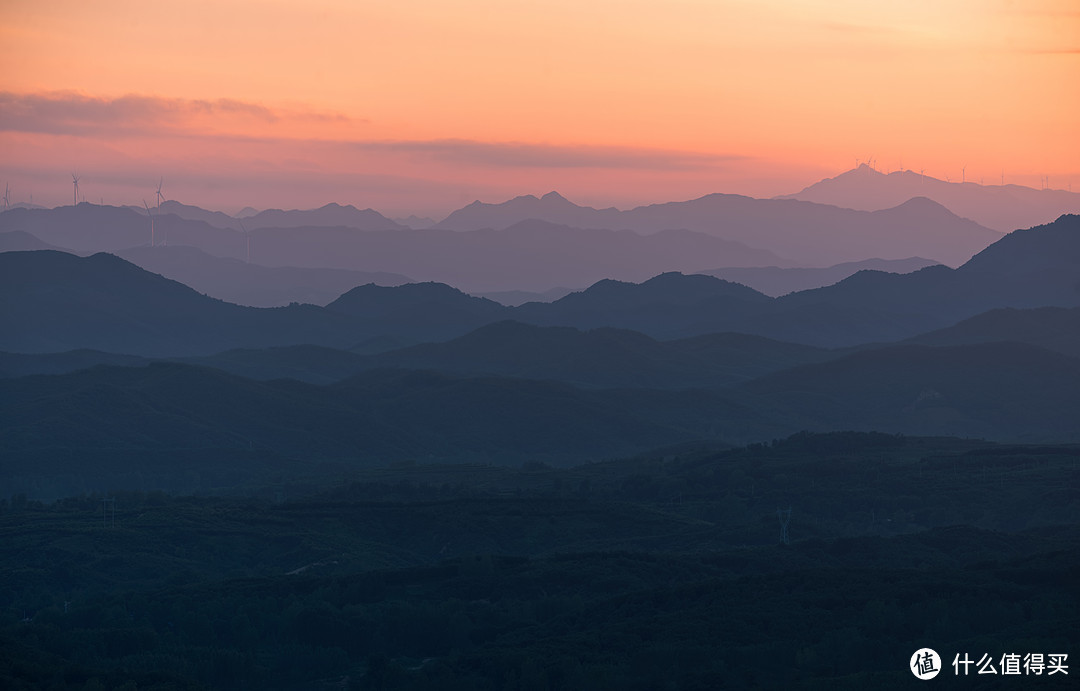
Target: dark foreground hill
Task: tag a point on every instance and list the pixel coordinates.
(604, 357)
(183, 427)
(1053, 328)
(53, 301)
(179, 426)
(988, 390)
(601, 358)
(633, 575)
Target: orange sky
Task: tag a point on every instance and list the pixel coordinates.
(423, 105)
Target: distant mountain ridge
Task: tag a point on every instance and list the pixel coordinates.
(532, 256)
(775, 281)
(809, 234)
(329, 215)
(1001, 207)
(236, 281)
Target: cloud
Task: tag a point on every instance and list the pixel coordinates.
(525, 155)
(228, 127)
(70, 113)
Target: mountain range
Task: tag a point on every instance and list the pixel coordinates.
(172, 423)
(234, 280)
(775, 281)
(329, 215)
(532, 255)
(55, 302)
(117, 373)
(1001, 207)
(815, 234)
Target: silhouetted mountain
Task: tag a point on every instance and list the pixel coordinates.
(552, 207)
(89, 228)
(194, 213)
(1053, 328)
(810, 234)
(603, 358)
(236, 281)
(20, 241)
(775, 281)
(331, 215)
(1037, 263)
(668, 306)
(23, 364)
(1003, 391)
(1027, 268)
(246, 212)
(307, 363)
(416, 222)
(417, 312)
(55, 302)
(1001, 207)
(869, 306)
(513, 298)
(532, 255)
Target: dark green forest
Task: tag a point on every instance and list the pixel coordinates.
(659, 571)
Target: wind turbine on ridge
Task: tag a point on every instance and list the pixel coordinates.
(75, 181)
(160, 196)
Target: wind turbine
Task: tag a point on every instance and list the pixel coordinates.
(75, 181)
(151, 215)
(963, 174)
(7, 197)
(160, 196)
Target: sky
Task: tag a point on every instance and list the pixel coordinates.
(422, 106)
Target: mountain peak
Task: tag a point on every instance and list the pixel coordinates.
(553, 196)
(1001, 207)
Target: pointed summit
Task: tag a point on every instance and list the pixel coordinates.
(552, 207)
(1001, 207)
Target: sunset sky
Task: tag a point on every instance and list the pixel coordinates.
(422, 106)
